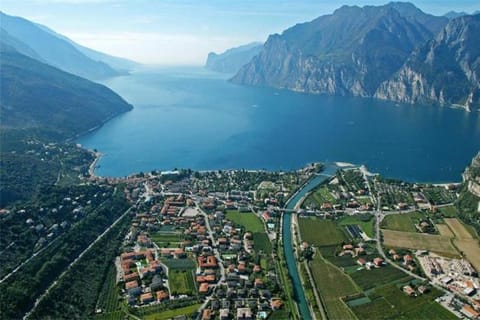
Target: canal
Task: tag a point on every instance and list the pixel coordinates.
(328, 171)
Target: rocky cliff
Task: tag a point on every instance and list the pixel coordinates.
(471, 176)
(445, 71)
(350, 52)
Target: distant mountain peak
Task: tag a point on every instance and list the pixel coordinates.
(231, 60)
(58, 51)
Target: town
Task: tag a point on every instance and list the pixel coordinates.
(210, 244)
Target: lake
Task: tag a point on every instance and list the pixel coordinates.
(193, 118)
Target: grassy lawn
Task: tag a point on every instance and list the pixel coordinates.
(367, 279)
(320, 232)
(248, 220)
(261, 242)
(449, 211)
(168, 314)
(422, 241)
(181, 282)
(365, 221)
(402, 222)
(333, 285)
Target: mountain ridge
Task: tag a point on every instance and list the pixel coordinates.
(56, 50)
(72, 106)
(231, 60)
(370, 52)
(333, 53)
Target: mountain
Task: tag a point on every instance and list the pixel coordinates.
(349, 52)
(468, 203)
(455, 14)
(444, 71)
(37, 95)
(54, 50)
(233, 59)
(120, 64)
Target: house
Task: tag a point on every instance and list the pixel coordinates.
(258, 283)
(207, 262)
(146, 298)
(469, 312)
(203, 288)
(207, 314)
(361, 261)
(378, 262)
(132, 288)
(162, 295)
(276, 304)
(130, 277)
(347, 247)
(224, 314)
(244, 314)
(409, 291)
(423, 289)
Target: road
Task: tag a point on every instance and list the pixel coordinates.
(217, 255)
(40, 298)
(379, 215)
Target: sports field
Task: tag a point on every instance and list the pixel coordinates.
(422, 241)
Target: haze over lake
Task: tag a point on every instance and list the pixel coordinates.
(194, 118)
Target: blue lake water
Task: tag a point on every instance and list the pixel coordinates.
(194, 118)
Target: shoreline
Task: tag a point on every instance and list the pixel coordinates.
(93, 165)
(342, 165)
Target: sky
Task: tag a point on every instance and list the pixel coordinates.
(182, 32)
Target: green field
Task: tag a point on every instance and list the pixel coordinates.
(333, 285)
(449, 211)
(318, 197)
(402, 222)
(261, 242)
(168, 314)
(375, 277)
(181, 282)
(108, 299)
(439, 195)
(365, 221)
(353, 179)
(248, 220)
(391, 302)
(111, 315)
(320, 232)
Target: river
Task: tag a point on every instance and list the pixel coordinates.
(329, 171)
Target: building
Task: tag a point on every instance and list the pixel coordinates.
(409, 291)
